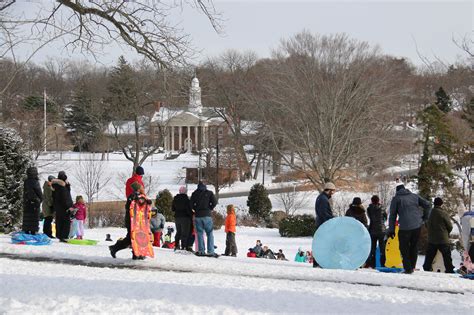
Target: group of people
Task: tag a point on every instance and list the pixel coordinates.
(304, 257)
(410, 211)
(191, 214)
(56, 203)
(261, 251)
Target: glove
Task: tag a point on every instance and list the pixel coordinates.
(391, 234)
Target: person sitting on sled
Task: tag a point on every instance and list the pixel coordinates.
(157, 224)
(300, 256)
(280, 255)
(168, 238)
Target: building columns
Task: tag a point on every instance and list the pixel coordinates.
(172, 138)
(196, 133)
(180, 138)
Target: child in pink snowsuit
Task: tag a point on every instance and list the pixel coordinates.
(80, 216)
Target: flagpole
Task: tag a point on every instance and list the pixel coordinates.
(44, 109)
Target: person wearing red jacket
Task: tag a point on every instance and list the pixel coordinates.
(136, 177)
(230, 223)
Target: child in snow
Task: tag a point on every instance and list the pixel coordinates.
(168, 237)
(80, 215)
(309, 257)
(267, 253)
(251, 253)
(157, 224)
(300, 256)
(280, 255)
(230, 222)
(258, 248)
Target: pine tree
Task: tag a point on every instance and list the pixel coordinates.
(164, 202)
(468, 113)
(443, 101)
(437, 152)
(14, 161)
(80, 119)
(258, 202)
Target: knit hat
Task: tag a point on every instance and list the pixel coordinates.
(50, 178)
(139, 170)
(438, 202)
(183, 190)
(375, 199)
(400, 187)
(356, 201)
(329, 186)
(62, 175)
(135, 186)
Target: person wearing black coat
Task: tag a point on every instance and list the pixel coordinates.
(62, 202)
(183, 215)
(377, 230)
(203, 201)
(32, 198)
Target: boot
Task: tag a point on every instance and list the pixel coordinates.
(113, 251)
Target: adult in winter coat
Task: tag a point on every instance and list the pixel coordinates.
(62, 202)
(136, 177)
(157, 224)
(48, 210)
(203, 202)
(356, 210)
(439, 227)
(406, 206)
(322, 206)
(32, 197)
(378, 217)
(230, 223)
(183, 215)
(126, 242)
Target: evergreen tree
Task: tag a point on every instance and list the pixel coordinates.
(14, 161)
(80, 119)
(468, 113)
(164, 202)
(437, 152)
(443, 101)
(258, 202)
(34, 102)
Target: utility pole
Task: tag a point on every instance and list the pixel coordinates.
(217, 163)
(263, 169)
(44, 112)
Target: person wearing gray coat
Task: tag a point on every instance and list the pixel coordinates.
(406, 206)
(157, 224)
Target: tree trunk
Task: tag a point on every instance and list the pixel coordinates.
(257, 166)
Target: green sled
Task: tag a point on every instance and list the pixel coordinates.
(82, 242)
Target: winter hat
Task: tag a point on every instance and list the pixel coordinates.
(201, 186)
(438, 202)
(135, 186)
(50, 178)
(32, 172)
(375, 199)
(356, 201)
(139, 170)
(329, 186)
(183, 190)
(62, 175)
(154, 210)
(400, 187)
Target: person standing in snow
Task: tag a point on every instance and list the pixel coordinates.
(439, 227)
(406, 206)
(136, 177)
(356, 210)
(47, 206)
(157, 224)
(203, 202)
(377, 216)
(79, 217)
(230, 223)
(183, 214)
(126, 242)
(62, 202)
(32, 197)
(323, 208)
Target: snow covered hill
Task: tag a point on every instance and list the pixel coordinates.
(177, 283)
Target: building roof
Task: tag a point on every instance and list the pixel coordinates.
(128, 127)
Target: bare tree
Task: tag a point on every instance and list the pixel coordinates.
(92, 176)
(291, 199)
(328, 99)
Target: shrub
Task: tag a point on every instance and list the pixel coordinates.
(106, 214)
(297, 225)
(258, 202)
(164, 202)
(218, 220)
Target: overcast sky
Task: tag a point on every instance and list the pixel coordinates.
(398, 27)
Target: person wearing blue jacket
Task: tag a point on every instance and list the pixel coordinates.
(406, 206)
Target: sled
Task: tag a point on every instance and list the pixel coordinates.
(393, 257)
(469, 276)
(141, 237)
(21, 238)
(389, 270)
(82, 242)
(438, 263)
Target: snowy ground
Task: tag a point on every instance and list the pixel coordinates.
(176, 283)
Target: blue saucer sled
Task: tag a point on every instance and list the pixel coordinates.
(341, 243)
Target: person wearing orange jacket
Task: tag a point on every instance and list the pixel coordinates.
(136, 177)
(230, 223)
